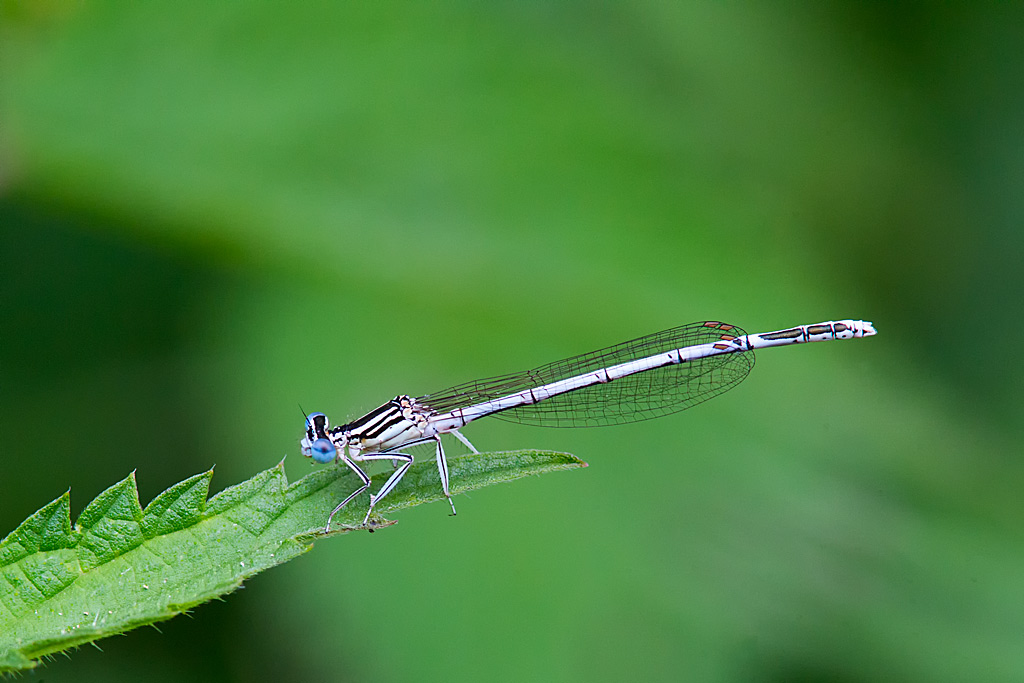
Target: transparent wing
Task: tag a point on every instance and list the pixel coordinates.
(637, 397)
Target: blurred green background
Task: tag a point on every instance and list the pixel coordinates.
(213, 212)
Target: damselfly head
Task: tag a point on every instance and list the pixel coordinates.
(316, 426)
(316, 443)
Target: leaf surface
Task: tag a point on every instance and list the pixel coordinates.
(122, 566)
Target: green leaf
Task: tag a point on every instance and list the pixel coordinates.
(121, 566)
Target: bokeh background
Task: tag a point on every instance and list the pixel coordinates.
(214, 212)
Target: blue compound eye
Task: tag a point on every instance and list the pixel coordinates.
(323, 451)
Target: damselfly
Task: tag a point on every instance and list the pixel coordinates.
(637, 380)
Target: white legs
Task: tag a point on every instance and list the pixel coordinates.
(392, 481)
(403, 462)
(366, 482)
(458, 435)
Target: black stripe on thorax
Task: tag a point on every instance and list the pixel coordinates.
(373, 415)
(372, 432)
